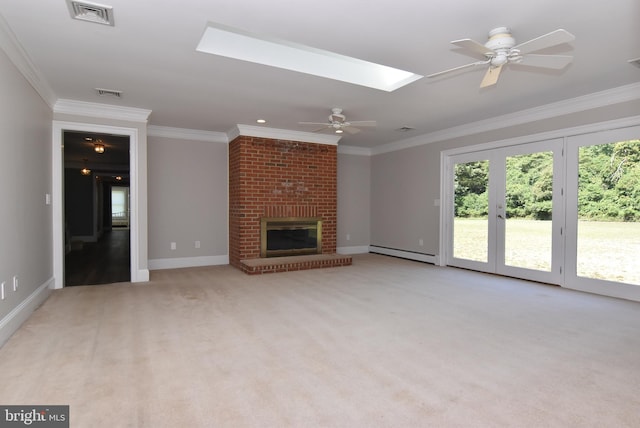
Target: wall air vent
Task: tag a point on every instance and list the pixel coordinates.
(109, 93)
(92, 12)
(635, 62)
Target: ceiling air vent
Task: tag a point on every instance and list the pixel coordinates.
(635, 62)
(109, 93)
(91, 12)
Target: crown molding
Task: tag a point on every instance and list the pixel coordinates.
(613, 96)
(18, 56)
(354, 150)
(283, 134)
(233, 133)
(187, 134)
(105, 111)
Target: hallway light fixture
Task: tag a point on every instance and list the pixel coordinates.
(85, 170)
(98, 147)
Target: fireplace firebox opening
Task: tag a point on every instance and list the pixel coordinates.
(290, 236)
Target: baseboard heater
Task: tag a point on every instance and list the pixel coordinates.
(403, 254)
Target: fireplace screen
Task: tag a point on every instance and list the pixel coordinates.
(290, 236)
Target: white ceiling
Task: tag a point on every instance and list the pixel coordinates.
(150, 55)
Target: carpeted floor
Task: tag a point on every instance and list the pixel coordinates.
(383, 343)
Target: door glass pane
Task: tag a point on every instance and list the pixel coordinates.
(470, 224)
(529, 197)
(608, 244)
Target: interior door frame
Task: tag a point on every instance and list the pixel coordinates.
(57, 195)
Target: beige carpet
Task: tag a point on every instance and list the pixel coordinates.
(383, 343)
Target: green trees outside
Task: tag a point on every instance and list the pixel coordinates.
(609, 184)
(470, 189)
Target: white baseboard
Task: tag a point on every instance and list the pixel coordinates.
(363, 249)
(420, 257)
(14, 319)
(184, 262)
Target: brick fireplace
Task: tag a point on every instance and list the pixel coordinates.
(280, 179)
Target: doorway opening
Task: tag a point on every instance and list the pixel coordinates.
(96, 208)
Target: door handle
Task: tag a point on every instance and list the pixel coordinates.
(500, 216)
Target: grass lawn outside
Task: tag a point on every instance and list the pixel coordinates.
(606, 250)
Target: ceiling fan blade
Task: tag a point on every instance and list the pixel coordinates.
(548, 40)
(314, 123)
(364, 123)
(546, 61)
(350, 130)
(491, 77)
(458, 68)
(473, 46)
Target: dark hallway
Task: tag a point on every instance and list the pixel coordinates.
(102, 262)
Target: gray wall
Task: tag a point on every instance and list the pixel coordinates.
(354, 197)
(25, 179)
(187, 198)
(405, 183)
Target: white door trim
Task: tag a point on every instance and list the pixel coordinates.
(138, 274)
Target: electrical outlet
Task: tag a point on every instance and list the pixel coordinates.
(15, 282)
(173, 245)
(421, 242)
(197, 244)
(348, 237)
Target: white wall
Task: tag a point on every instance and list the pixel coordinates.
(188, 202)
(25, 179)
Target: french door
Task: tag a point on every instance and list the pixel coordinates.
(603, 203)
(506, 214)
(564, 211)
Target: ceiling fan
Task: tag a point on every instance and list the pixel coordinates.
(338, 123)
(501, 49)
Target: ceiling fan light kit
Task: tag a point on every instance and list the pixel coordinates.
(501, 49)
(338, 123)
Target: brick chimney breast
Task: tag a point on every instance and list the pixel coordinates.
(279, 178)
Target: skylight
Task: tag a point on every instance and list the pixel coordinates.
(233, 43)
